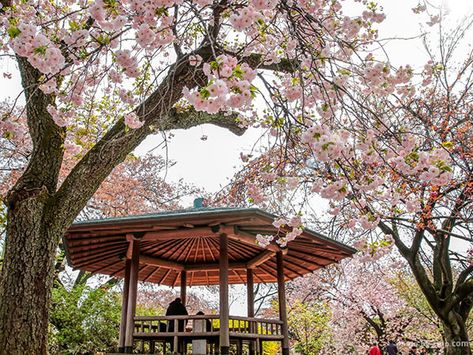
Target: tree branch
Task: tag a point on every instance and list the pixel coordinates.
(462, 291)
(158, 114)
(45, 162)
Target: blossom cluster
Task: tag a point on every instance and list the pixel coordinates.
(229, 85)
(40, 51)
(287, 231)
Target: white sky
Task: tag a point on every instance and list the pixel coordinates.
(212, 162)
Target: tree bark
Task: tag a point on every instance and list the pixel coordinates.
(456, 335)
(27, 277)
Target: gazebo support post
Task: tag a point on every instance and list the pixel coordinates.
(282, 302)
(224, 308)
(130, 313)
(251, 306)
(183, 286)
(126, 289)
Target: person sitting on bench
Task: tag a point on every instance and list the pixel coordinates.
(176, 308)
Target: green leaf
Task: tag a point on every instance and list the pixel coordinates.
(13, 31)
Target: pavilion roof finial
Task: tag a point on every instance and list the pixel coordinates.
(199, 202)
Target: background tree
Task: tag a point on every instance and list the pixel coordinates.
(106, 74)
(84, 319)
(393, 157)
(309, 326)
(365, 305)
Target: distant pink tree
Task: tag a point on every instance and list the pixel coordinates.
(365, 305)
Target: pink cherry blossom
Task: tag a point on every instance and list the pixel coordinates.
(133, 121)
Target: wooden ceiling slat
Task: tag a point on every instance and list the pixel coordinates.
(161, 245)
(215, 245)
(95, 251)
(270, 273)
(188, 254)
(196, 254)
(303, 255)
(213, 242)
(103, 267)
(93, 241)
(175, 248)
(243, 281)
(165, 275)
(175, 280)
(184, 249)
(233, 253)
(309, 244)
(189, 251)
(152, 274)
(251, 249)
(301, 258)
(97, 254)
(239, 250)
(98, 257)
(301, 262)
(210, 249)
(294, 267)
(119, 271)
(255, 274)
(144, 244)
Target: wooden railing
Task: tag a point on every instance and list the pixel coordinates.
(209, 325)
(255, 327)
(146, 326)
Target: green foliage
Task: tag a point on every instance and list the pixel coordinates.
(271, 348)
(309, 326)
(144, 311)
(83, 320)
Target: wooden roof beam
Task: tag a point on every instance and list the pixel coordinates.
(187, 233)
(151, 260)
(249, 238)
(260, 259)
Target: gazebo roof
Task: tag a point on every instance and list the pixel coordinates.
(188, 240)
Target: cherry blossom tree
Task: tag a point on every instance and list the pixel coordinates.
(390, 149)
(366, 305)
(99, 77)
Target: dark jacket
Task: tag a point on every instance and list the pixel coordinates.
(391, 349)
(176, 308)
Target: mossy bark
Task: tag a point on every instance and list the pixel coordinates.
(456, 335)
(27, 277)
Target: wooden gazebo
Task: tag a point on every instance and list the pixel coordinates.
(198, 246)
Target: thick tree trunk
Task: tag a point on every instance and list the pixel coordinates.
(27, 276)
(456, 336)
